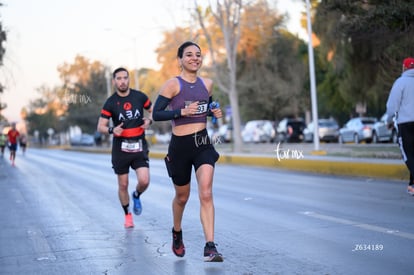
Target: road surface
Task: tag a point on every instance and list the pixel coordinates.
(60, 215)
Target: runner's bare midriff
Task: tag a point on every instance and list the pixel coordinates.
(188, 129)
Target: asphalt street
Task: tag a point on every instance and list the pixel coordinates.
(60, 214)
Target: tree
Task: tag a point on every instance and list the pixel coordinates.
(79, 72)
(3, 38)
(76, 103)
(84, 106)
(366, 46)
(44, 112)
(83, 92)
(167, 52)
(227, 15)
(276, 81)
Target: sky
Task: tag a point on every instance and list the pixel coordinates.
(44, 34)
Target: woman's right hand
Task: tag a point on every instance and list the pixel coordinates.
(190, 109)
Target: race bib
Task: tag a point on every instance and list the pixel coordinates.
(201, 108)
(131, 146)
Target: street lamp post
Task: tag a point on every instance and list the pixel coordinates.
(312, 81)
(136, 76)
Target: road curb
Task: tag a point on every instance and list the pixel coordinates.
(340, 167)
(348, 168)
(351, 167)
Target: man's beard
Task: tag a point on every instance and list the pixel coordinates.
(123, 90)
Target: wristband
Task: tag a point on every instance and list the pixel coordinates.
(110, 130)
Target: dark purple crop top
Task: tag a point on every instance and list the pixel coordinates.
(190, 92)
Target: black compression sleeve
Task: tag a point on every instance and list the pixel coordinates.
(159, 113)
(210, 113)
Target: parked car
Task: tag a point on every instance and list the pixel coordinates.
(258, 131)
(82, 140)
(223, 134)
(357, 129)
(328, 131)
(381, 132)
(290, 130)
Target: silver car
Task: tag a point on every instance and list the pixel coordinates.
(382, 133)
(357, 129)
(328, 131)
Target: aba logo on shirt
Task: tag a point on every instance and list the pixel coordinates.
(127, 106)
(128, 113)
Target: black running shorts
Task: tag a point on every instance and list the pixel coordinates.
(122, 161)
(184, 152)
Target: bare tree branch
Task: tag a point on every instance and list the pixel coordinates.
(227, 15)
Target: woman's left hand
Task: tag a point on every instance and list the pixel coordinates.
(217, 112)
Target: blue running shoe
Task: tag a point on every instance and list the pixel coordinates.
(137, 204)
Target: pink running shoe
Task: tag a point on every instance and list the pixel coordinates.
(129, 223)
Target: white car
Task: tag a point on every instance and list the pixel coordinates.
(258, 131)
(224, 134)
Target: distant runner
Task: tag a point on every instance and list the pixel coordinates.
(12, 137)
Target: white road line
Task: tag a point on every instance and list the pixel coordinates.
(360, 225)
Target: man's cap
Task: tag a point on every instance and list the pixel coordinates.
(408, 63)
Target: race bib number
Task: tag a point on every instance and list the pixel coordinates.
(131, 146)
(201, 108)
